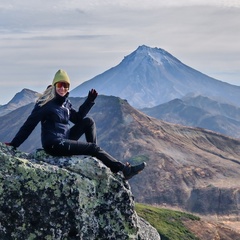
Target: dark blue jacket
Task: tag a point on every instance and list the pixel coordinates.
(55, 117)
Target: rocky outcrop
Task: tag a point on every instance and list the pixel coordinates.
(44, 197)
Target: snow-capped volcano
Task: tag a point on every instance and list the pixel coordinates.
(151, 76)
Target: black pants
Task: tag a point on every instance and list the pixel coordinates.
(73, 146)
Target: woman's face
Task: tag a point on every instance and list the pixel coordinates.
(62, 88)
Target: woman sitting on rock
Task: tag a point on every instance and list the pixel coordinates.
(54, 110)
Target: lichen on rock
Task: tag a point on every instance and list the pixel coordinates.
(45, 197)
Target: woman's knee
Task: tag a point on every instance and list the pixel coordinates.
(89, 121)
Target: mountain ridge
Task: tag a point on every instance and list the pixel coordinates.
(22, 98)
(199, 111)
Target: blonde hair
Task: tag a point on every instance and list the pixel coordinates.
(46, 96)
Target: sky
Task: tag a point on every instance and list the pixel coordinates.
(86, 38)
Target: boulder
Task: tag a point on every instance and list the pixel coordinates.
(77, 197)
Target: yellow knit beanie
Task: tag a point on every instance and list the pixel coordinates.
(61, 76)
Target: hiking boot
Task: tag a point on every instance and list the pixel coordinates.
(129, 171)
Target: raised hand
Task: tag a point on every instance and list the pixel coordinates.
(92, 94)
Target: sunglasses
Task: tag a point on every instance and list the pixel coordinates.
(62, 84)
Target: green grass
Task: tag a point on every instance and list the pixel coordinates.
(138, 159)
(167, 222)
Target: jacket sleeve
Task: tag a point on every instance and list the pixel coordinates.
(28, 126)
(76, 116)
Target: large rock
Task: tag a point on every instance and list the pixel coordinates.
(44, 197)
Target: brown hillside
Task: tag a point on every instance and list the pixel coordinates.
(188, 167)
(191, 168)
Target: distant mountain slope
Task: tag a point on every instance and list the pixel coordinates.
(201, 112)
(10, 124)
(213, 107)
(186, 166)
(151, 76)
(22, 98)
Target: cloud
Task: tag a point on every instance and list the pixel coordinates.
(89, 37)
